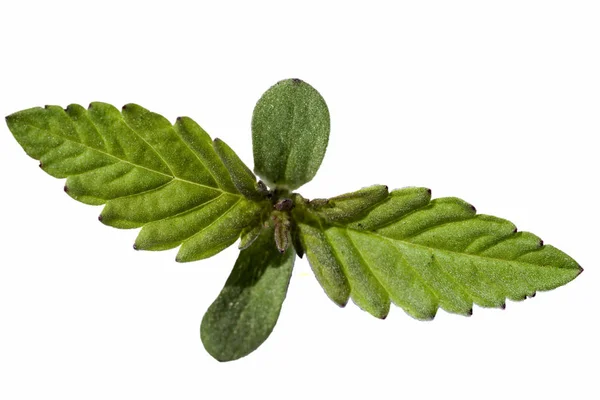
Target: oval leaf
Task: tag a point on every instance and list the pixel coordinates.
(290, 132)
(246, 310)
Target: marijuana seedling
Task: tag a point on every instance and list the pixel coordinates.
(374, 246)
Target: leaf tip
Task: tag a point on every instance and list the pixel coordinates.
(135, 246)
(382, 314)
(65, 188)
(341, 302)
(100, 217)
(297, 81)
(470, 312)
(9, 119)
(503, 306)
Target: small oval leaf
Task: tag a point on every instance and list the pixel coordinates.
(290, 132)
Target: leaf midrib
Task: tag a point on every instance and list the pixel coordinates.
(173, 176)
(445, 251)
(289, 152)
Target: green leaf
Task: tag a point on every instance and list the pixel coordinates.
(372, 246)
(249, 235)
(290, 132)
(243, 179)
(245, 312)
(349, 206)
(423, 254)
(165, 178)
(326, 267)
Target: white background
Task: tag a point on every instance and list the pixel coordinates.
(494, 102)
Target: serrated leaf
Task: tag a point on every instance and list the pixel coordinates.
(246, 311)
(290, 132)
(424, 254)
(165, 178)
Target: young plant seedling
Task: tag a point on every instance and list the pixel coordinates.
(374, 246)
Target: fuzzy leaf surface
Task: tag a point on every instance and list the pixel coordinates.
(290, 132)
(165, 178)
(424, 254)
(246, 311)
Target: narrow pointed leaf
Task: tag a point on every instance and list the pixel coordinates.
(243, 179)
(351, 206)
(149, 173)
(324, 263)
(246, 311)
(290, 132)
(425, 254)
(296, 241)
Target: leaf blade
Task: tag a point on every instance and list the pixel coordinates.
(324, 263)
(146, 171)
(243, 179)
(290, 132)
(246, 311)
(366, 290)
(430, 254)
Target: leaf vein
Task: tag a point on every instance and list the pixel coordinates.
(528, 252)
(451, 252)
(129, 162)
(149, 145)
(491, 244)
(214, 177)
(435, 225)
(365, 262)
(72, 119)
(215, 221)
(400, 218)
